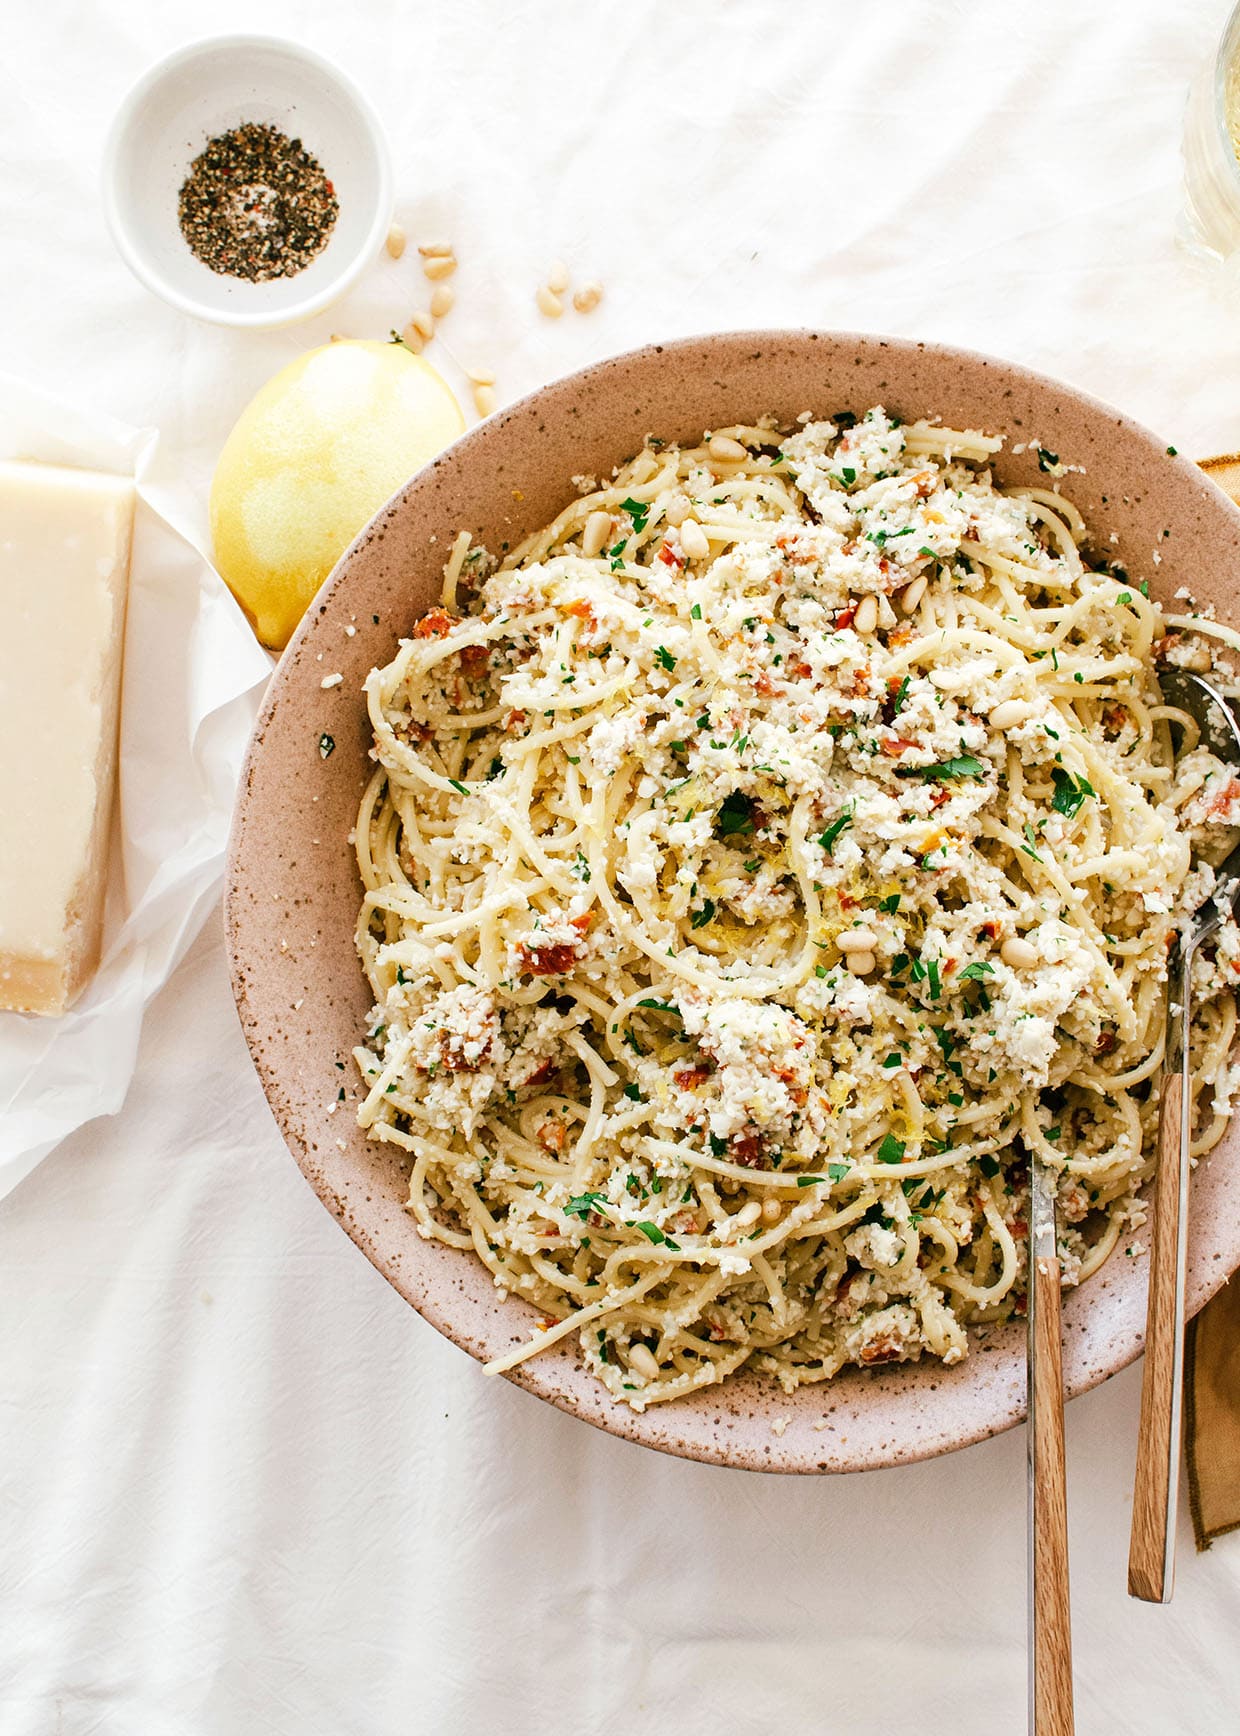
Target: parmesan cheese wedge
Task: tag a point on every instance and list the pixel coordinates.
(64, 576)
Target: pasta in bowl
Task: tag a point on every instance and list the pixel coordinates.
(760, 862)
(308, 1011)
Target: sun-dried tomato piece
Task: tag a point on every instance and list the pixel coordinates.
(553, 959)
(435, 624)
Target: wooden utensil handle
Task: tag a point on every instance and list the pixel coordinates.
(1052, 1619)
(1150, 1556)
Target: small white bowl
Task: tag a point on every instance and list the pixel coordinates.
(209, 88)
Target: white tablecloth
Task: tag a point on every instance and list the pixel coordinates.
(244, 1488)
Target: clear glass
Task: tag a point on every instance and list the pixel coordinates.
(1210, 219)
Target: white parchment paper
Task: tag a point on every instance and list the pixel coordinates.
(193, 677)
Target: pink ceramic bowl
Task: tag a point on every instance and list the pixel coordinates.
(293, 891)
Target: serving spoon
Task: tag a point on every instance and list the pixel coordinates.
(1050, 1619)
(1151, 1550)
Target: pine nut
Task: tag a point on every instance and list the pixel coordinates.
(1009, 713)
(443, 300)
(857, 940)
(860, 963)
(480, 376)
(678, 508)
(866, 618)
(772, 1211)
(557, 278)
(748, 1214)
(596, 532)
(694, 540)
(395, 242)
(1018, 953)
(549, 303)
(484, 400)
(422, 322)
(435, 249)
(723, 446)
(948, 680)
(641, 1361)
(588, 297)
(909, 599)
(412, 338)
(440, 265)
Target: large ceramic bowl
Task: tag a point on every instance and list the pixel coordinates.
(293, 891)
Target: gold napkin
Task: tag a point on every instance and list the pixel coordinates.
(1212, 1347)
(1212, 1416)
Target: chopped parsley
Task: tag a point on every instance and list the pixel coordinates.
(581, 1205)
(327, 745)
(638, 511)
(1070, 792)
(699, 918)
(891, 1150)
(827, 839)
(653, 1233)
(664, 658)
(735, 815)
(964, 765)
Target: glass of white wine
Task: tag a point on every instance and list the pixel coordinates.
(1210, 218)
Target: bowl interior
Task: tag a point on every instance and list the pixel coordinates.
(207, 90)
(293, 891)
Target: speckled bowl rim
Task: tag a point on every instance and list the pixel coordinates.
(738, 1423)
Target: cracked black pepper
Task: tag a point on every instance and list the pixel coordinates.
(256, 204)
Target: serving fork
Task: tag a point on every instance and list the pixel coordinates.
(1151, 1552)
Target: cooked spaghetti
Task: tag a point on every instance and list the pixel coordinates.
(762, 862)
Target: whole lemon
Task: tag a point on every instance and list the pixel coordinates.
(312, 458)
